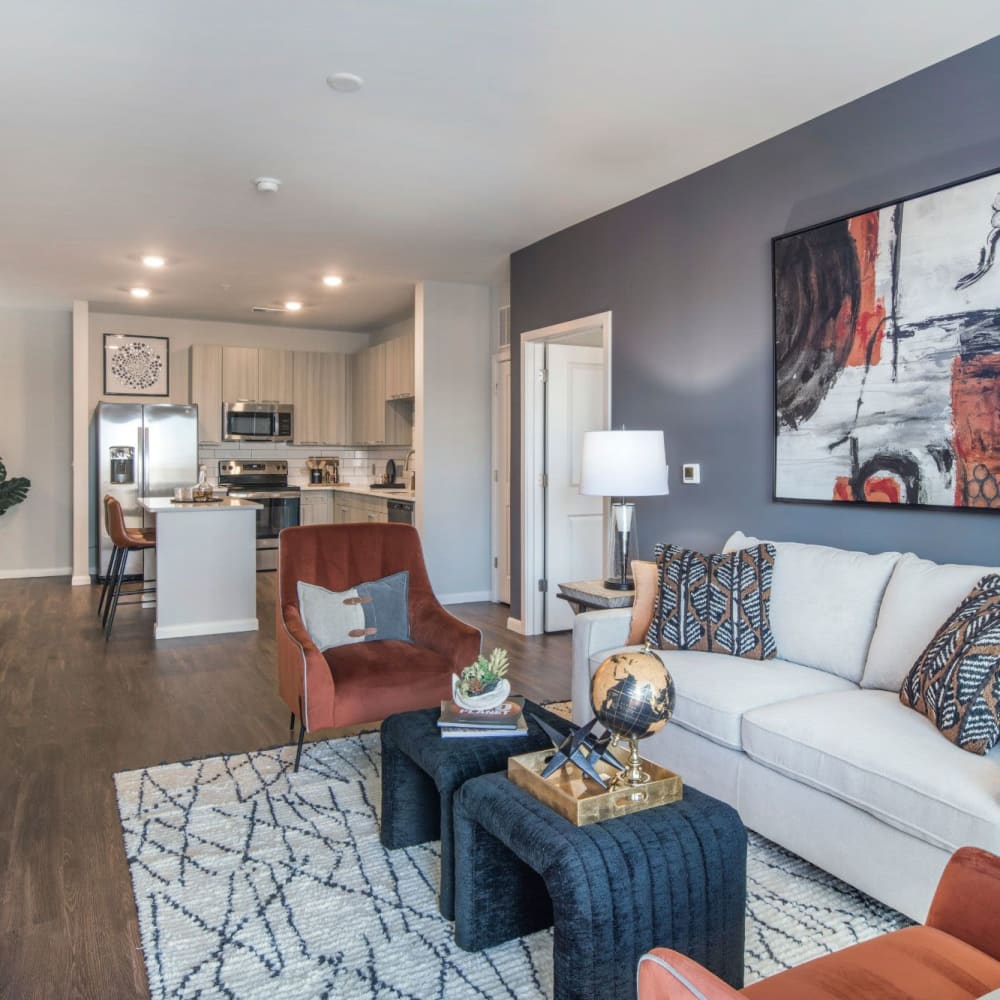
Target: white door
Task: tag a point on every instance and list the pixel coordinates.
(503, 555)
(574, 535)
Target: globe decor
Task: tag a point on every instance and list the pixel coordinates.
(633, 697)
(584, 779)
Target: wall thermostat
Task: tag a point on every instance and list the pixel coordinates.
(690, 473)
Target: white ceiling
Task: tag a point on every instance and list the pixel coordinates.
(130, 127)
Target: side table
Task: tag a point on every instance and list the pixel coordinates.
(592, 595)
(421, 771)
(671, 876)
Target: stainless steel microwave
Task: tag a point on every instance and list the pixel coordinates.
(243, 421)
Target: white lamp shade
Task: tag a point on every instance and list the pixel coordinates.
(624, 464)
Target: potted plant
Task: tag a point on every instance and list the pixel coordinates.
(12, 491)
(482, 685)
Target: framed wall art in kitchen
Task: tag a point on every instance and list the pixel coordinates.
(136, 366)
(887, 353)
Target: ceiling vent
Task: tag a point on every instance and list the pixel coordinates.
(267, 309)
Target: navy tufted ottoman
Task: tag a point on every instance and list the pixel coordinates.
(673, 876)
(421, 771)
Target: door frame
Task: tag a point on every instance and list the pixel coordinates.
(496, 499)
(532, 436)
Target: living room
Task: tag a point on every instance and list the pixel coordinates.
(683, 264)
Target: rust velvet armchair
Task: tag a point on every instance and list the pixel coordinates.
(363, 681)
(955, 955)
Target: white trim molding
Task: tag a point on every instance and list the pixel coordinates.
(469, 597)
(514, 625)
(27, 574)
(532, 433)
(206, 628)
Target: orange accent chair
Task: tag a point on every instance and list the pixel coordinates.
(363, 681)
(955, 955)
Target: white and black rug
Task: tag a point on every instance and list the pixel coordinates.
(251, 881)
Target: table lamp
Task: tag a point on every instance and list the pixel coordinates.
(620, 464)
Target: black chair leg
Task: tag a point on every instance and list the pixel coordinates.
(116, 593)
(298, 751)
(116, 560)
(107, 580)
(291, 727)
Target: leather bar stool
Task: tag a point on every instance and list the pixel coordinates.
(124, 540)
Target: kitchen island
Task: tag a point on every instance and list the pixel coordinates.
(205, 566)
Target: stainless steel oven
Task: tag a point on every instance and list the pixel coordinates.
(265, 483)
(245, 421)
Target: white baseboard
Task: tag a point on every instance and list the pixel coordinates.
(206, 628)
(21, 574)
(82, 581)
(515, 625)
(469, 597)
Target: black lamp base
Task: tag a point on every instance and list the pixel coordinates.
(619, 584)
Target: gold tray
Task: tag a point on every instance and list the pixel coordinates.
(580, 800)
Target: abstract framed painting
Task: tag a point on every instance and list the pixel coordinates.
(887, 354)
(136, 366)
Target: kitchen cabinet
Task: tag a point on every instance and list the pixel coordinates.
(239, 374)
(315, 507)
(399, 368)
(355, 508)
(322, 398)
(206, 391)
(275, 381)
(368, 395)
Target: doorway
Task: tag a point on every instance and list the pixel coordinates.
(501, 477)
(565, 391)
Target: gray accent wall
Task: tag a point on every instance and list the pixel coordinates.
(686, 273)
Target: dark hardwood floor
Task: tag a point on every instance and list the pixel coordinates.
(74, 710)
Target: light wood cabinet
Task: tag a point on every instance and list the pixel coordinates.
(399, 368)
(239, 374)
(275, 379)
(321, 396)
(206, 391)
(368, 395)
(354, 508)
(315, 507)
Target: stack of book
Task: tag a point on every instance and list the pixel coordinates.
(504, 720)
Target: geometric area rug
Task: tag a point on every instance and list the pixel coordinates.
(251, 881)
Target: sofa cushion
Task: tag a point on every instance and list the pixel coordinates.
(714, 603)
(824, 603)
(867, 749)
(645, 574)
(956, 680)
(713, 690)
(919, 599)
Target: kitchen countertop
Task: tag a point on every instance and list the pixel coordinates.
(364, 491)
(164, 505)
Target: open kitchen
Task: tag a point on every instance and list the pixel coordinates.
(264, 440)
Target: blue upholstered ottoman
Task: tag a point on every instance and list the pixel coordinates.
(421, 771)
(674, 875)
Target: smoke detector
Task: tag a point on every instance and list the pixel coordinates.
(267, 185)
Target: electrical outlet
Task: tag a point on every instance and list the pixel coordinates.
(691, 473)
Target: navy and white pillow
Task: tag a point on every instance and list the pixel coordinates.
(956, 680)
(714, 603)
(367, 612)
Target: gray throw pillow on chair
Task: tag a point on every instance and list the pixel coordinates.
(365, 613)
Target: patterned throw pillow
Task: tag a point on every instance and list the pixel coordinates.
(367, 612)
(956, 680)
(714, 603)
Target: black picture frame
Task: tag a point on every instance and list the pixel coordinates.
(129, 380)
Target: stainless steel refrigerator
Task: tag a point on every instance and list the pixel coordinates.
(142, 450)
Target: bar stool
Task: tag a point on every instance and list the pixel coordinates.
(124, 540)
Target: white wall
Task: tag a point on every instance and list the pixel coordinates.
(36, 439)
(452, 437)
(400, 328)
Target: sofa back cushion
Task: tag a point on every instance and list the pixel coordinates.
(824, 603)
(919, 599)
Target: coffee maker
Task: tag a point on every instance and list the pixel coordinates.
(323, 471)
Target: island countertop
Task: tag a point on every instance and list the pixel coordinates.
(164, 505)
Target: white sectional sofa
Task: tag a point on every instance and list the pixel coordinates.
(814, 748)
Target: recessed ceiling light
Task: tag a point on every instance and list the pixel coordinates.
(344, 83)
(153, 260)
(293, 307)
(333, 280)
(267, 185)
(139, 293)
